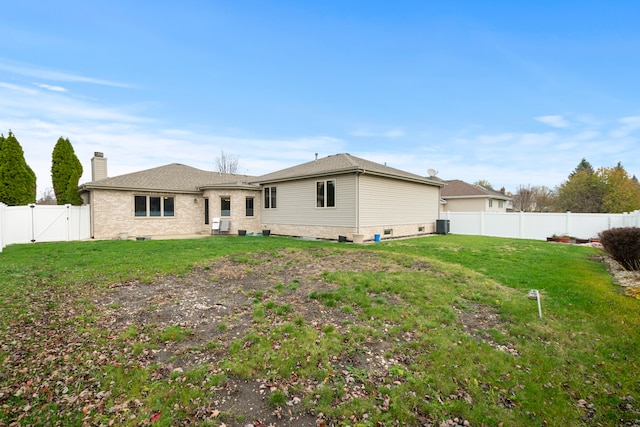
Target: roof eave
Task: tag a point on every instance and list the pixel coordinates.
(419, 180)
(478, 196)
(347, 171)
(230, 187)
(307, 176)
(85, 187)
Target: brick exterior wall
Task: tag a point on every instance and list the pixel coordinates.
(238, 218)
(112, 213)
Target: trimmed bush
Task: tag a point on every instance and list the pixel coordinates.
(623, 244)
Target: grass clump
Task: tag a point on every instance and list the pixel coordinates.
(174, 333)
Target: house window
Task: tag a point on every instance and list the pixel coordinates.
(206, 211)
(167, 206)
(326, 194)
(225, 206)
(154, 206)
(249, 206)
(388, 231)
(501, 204)
(140, 205)
(270, 197)
(490, 203)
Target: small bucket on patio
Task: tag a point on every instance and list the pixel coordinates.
(376, 238)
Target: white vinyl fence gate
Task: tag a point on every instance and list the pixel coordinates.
(43, 223)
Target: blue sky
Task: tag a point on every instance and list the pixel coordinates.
(515, 93)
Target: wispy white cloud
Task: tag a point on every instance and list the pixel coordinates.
(538, 158)
(18, 88)
(133, 141)
(557, 121)
(54, 75)
(626, 126)
(51, 87)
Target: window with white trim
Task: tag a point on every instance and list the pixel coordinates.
(154, 206)
(249, 206)
(270, 197)
(225, 206)
(326, 194)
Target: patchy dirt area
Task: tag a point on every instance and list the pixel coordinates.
(216, 303)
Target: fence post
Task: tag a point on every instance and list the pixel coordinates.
(33, 222)
(568, 224)
(3, 228)
(482, 223)
(67, 224)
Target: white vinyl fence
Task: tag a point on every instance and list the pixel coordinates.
(43, 223)
(536, 225)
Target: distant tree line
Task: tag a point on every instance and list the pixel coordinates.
(18, 181)
(586, 190)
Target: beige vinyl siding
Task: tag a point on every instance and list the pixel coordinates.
(385, 201)
(296, 203)
(468, 205)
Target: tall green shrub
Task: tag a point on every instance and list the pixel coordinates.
(17, 179)
(66, 171)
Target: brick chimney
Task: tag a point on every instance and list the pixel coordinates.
(98, 166)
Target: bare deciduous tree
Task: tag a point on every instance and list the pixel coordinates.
(523, 199)
(545, 198)
(226, 163)
(534, 199)
(48, 197)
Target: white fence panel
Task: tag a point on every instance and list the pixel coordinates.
(41, 223)
(535, 225)
(3, 213)
(17, 225)
(541, 226)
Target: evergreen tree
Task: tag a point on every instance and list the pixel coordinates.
(583, 166)
(17, 179)
(66, 171)
(583, 191)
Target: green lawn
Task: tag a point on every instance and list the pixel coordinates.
(417, 331)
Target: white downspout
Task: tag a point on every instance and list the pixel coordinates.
(358, 202)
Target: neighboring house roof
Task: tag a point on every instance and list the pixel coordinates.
(171, 178)
(458, 189)
(339, 164)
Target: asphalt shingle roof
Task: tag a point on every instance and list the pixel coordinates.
(173, 177)
(459, 188)
(337, 164)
